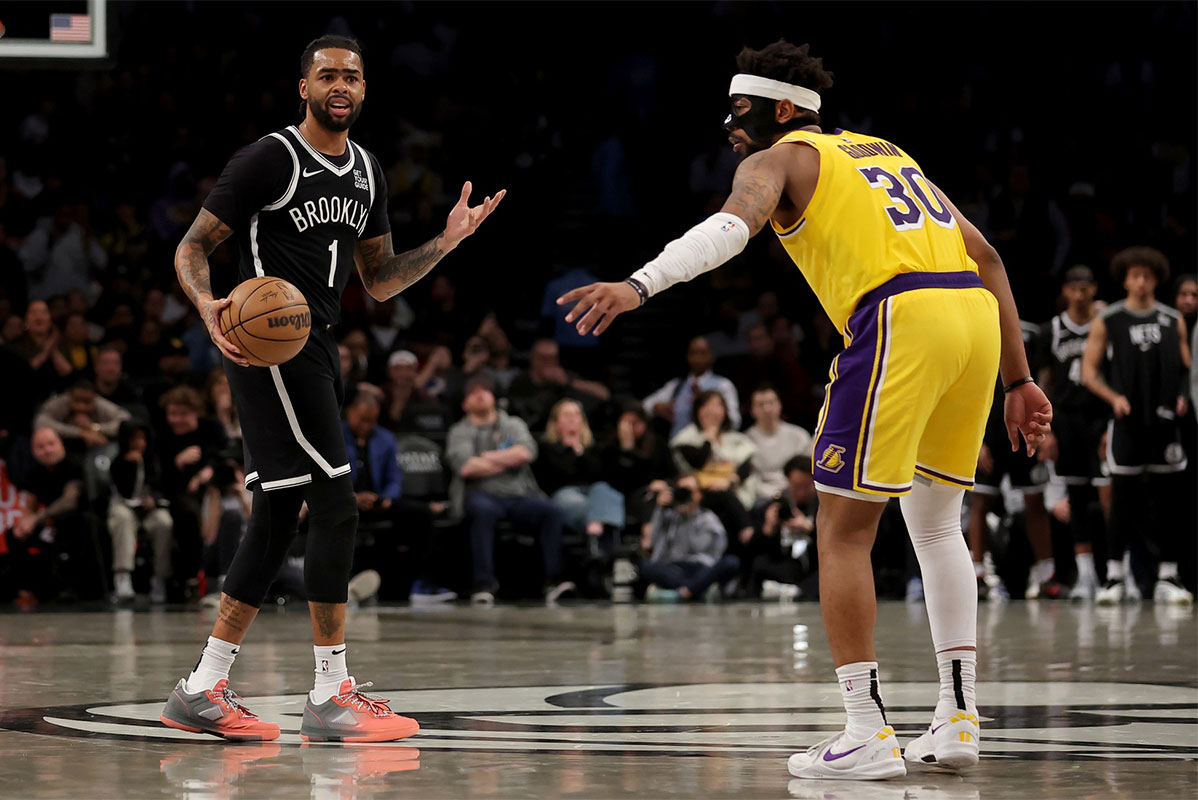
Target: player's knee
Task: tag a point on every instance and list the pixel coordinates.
(932, 513)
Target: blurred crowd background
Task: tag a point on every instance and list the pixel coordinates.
(603, 123)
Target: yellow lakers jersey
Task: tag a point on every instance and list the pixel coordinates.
(873, 216)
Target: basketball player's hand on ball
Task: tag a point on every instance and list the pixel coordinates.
(464, 220)
(1027, 411)
(598, 304)
(210, 310)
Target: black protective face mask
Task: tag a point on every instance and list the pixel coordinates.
(758, 122)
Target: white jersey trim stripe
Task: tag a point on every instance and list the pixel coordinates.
(289, 410)
(369, 181)
(283, 483)
(873, 498)
(295, 171)
(253, 476)
(320, 157)
(254, 247)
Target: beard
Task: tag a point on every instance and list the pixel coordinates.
(327, 121)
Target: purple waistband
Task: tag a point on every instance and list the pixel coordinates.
(906, 281)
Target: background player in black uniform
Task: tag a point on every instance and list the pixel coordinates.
(1080, 422)
(304, 204)
(1144, 345)
(1028, 475)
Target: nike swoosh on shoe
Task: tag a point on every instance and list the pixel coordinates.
(830, 756)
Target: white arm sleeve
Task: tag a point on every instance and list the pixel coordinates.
(701, 249)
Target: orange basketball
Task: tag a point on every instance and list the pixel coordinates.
(268, 320)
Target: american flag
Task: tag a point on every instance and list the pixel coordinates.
(70, 28)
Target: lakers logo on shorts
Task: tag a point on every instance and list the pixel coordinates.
(832, 459)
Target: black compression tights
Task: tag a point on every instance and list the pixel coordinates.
(332, 523)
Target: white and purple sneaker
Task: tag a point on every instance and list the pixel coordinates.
(951, 743)
(840, 758)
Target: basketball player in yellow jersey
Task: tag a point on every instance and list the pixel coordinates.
(928, 318)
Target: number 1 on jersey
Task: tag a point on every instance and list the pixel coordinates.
(332, 261)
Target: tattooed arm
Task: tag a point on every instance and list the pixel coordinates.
(757, 187)
(386, 274)
(191, 265)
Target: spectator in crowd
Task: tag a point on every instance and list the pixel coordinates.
(500, 348)
(60, 253)
(1185, 299)
(77, 347)
(783, 544)
(636, 459)
(476, 357)
(40, 346)
(358, 344)
(137, 503)
(224, 512)
(58, 523)
(81, 418)
(220, 404)
(111, 383)
(406, 405)
(686, 547)
(720, 459)
(777, 443)
(767, 364)
(489, 453)
(392, 523)
(535, 392)
(433, 377)
(570, 469)
(674, 401)
(188, 446)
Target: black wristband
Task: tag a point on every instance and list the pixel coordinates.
(1007, 389)
(641, 291)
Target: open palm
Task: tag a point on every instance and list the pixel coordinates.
(464, 220)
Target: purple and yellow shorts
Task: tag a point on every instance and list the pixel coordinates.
(910, 392)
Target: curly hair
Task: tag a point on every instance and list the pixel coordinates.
(1148, 257)
(783, 61)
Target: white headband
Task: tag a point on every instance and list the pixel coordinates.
(775, 90)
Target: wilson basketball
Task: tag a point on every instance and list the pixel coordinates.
(268, 320)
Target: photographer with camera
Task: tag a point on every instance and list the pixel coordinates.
(686, 545)
(783, 543)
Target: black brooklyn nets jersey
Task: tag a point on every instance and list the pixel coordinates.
(298, 214)
(1063, 343)
(1144, 359)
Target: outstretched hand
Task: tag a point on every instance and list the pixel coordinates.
(1027, 411)
(598, 304)
(464, 220)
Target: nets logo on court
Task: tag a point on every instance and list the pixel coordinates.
(297, 321)
(1055, 721)
(833, 458)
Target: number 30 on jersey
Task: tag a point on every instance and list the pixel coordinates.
(911, 197)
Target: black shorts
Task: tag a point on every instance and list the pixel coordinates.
(1134, 448)
(291, 416)
(1027, 474)
(1078, 437)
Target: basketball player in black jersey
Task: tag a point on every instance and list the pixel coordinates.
(304, 204)
(1145, 348)
(1081, 420)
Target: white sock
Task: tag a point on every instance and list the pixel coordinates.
(1167, 571)
(862, 698)
(979, 569)
(1114, 570)
(213, 666)
(330, 671)
(1044, 569)
(1085, 567)
(958, 674)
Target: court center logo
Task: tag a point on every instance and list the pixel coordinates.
(1057, 721)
